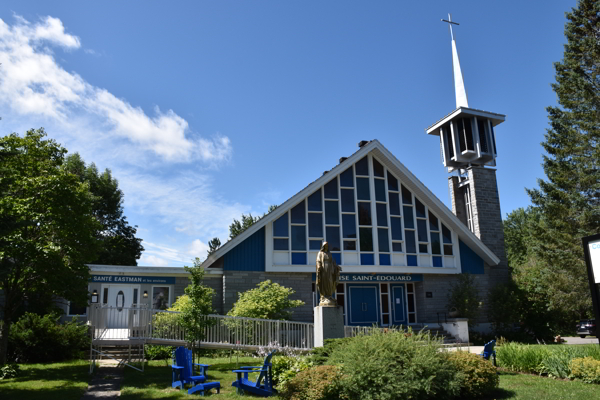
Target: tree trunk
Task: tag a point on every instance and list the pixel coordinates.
(4, 330)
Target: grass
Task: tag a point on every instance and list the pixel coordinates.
(66, 381)
(531, 387)
(57, 381)
(155, 381)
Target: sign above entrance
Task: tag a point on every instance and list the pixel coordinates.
(377, 277)
(165, 280)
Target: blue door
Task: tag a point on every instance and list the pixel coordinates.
(398, 305)
(363, 304)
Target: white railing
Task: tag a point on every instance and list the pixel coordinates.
(111, 323)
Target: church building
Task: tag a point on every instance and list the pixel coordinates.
(400, 248)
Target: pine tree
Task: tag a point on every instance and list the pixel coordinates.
(569, 200)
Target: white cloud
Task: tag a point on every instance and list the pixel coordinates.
(153, 261)
(32, 83)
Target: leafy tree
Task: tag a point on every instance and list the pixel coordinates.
(246, 222)
(198, 304)
(118, 244)
(268, 301)
(569, 199)
(213, 245)
(465, 297)
(48, 226)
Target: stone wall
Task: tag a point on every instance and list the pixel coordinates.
(439, 286)
(235, 282)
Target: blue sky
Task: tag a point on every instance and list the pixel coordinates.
(207, 110)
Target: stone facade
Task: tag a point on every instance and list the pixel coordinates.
(486, 214)
(235, 282)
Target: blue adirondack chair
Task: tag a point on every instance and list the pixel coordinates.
(488, 351)
(183, 372)
(264, 383)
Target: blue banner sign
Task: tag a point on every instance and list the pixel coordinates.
(377, 277)
(166, 280)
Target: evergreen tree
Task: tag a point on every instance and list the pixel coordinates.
(213, 245)
(246, 222)
(569, 200)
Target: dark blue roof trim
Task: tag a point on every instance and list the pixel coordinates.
(249, 255)
(470, 262)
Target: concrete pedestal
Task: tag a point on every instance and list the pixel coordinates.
(329, 324)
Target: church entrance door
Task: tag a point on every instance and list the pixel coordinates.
(364, 304)
(398, 305)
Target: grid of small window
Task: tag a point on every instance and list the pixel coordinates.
(363, 207)
(422, 237)
(332, 219)
(348, 210)
(298, 233)
(436, 246)
(365, 210)
(409, 227)
(340, 297)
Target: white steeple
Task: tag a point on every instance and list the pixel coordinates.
(459, 82)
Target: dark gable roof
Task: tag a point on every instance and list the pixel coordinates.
(401, 172)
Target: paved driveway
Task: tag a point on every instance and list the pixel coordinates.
(578, 340)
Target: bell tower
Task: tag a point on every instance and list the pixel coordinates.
(468, 151)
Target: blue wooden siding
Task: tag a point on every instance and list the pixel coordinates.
(470, 262)
(249, 255)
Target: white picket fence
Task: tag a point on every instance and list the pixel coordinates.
(222, 331)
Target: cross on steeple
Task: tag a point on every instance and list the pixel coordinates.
(450, 23)
(459, 83)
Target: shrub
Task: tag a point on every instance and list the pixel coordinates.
(286, 368)
(155, 352)
(587, 369)
(9, 371)
(35, 338)
(268, 301)
(320, 355)
(395, 365)
(477, 376)
(318, 383)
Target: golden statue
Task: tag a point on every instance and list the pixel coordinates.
(328, 273)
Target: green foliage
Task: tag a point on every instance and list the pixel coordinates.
(246, 222)
(47, 226)
(285, 368)
(586, 369)
(238, 227)
(156, 352)
(318, 383)
(478, 376)
(552, 360)
(268, 301)
(42, 339)
(118, 244)
(395, 365)
(568, 198)
(213, 245)
(9, 371)
(465, 297)
(320, 355)
(198, 305)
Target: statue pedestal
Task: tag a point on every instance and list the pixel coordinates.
(329, 324)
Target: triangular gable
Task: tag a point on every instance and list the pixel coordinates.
(398, 169)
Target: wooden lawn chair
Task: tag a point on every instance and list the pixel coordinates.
(264, 383)
(183, 370)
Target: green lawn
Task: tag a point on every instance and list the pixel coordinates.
(57, 381)
(155, 382)
(526, 387)
(68, 381)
